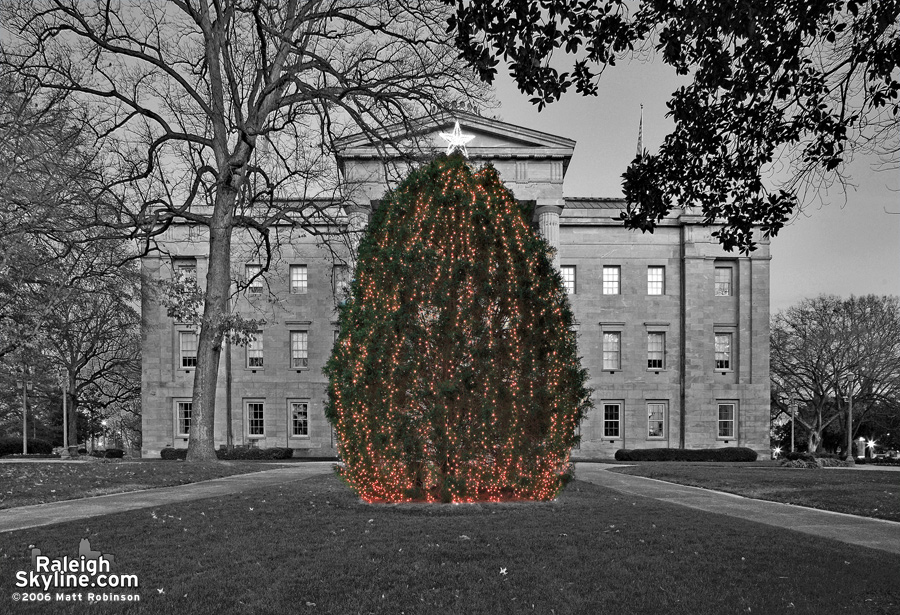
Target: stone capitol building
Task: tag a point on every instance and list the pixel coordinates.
(673, 330)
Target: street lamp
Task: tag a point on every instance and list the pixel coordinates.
(63, 377)
(793, 406)
(871, 445)
(850, 412)
(25, 385)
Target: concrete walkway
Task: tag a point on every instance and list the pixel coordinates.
(26, 517)
(851, 529)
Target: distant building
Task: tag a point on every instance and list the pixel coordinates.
(673, 330)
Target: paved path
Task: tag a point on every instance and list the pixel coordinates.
(69, 510)
(863, 531)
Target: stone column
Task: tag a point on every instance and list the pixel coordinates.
(547, 215)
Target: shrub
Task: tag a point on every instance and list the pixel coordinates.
(30, 456)
(798, 456)
(235, 454)
(799, 464)
(244, 452)
(240, 453)
(281, 453)
(173, 453)
(809, 461)
(731, 453)
(834, 462)
(13, 446)
(830, 456)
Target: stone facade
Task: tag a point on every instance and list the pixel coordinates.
(688, 387)
(679, 397)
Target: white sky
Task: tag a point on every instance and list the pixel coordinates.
(848, 245)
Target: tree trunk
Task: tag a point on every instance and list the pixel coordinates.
(72, 412)
(815, 440)
(201, 442)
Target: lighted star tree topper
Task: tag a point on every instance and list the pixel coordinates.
(456, 140)
(455, 376)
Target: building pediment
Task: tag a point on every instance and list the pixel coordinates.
(492, 140)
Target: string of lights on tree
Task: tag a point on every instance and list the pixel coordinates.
(455, 376)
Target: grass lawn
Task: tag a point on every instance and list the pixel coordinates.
(313, 547)
(25, 483)
(866, 493)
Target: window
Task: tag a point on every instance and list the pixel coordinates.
(611, 279)
(612, 414)
(298, 279)
(254, 279)
(255, 419)
(656, 350)
(187, 343)
(726, 421)
(612, 353)
(193, 233)
(656, 280)
(255, 351)
(568, 276)
(723, 281)
(299, 418)
(183, 418)
(341, 275)
(656, 420)
(299, 355)
(723, 351)
(186, 269)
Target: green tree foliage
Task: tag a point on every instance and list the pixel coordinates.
(814, 78)
(455, 376)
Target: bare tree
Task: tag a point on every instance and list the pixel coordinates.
(95, 337)
(212, 112)
(46, 226)
(827, 349)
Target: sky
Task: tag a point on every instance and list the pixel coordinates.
(842, 244)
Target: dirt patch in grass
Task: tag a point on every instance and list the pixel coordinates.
(867, 493)
(23, 484)
(313, 547)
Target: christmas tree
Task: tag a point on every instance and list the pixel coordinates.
(455, 376)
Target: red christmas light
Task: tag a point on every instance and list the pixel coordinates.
(455, 377)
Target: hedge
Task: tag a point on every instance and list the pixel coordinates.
(814, 460)
(173, 453)
(812, 457)
(240, 452)
(237, 453)
(30, 456)
(110, 453)
(732, 453)
(13, 445)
